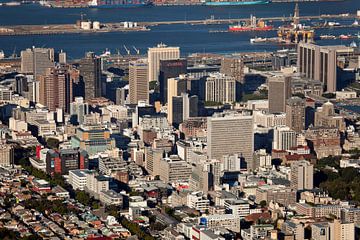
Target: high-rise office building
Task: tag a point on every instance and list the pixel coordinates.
(36, 60)
(233, 67)
(279, 92)
(78, 109)
(320, 63)
(229, 134)
(220, 88)
(183, 107)
(176, 86)
(121, 95)
(138, 81)
(64, 160)
(284, 138)
(55, 89)
(295, 114)
(90, 75)
(342, 230)
(6, 154)
(27, 61)
(302, 175)
(170, 69)
(160, 52)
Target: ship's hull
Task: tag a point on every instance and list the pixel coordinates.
(249, 29)
(121, 5)
(237, 3)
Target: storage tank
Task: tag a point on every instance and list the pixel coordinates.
(96, 25)
(126, 24)
(86, 25)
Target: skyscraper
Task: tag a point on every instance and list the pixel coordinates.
(295, 114)
(284, 138)
(229, 134)
(220, 88)
(160, 52)
(170, 69)
(90, 75)
(233, 67)
(176, 86)
(279, 92)
(78, 109)
(320, 63)
(138, 81)
(183, 107)
(302, 174)
(55, 89)
(36, 60)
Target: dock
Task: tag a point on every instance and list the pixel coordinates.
(143, 26)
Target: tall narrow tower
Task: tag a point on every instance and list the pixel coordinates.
(296, 15)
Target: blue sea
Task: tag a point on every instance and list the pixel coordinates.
(190, 38)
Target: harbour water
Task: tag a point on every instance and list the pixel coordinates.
(191, 38)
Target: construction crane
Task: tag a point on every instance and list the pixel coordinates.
(136, 50)
(82, 16)
(127, 50)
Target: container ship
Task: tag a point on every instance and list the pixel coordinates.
(254, 25)
(118, 3)
(235, 3)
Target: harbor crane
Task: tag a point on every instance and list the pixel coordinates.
(136, 50)
(127, 50)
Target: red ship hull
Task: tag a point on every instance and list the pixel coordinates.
(249, 29)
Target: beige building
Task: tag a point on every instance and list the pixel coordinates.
(325, 116)
(152, 160)
(160, 52)
(36, 60)
(295, 114)
(220, 88)
(6, 154)
(324, 141)
(302, 175)
(174, 169)
(279, 92)
(175, 87)
(55, 89)
(276, 193)
(320, 62)
(229, 134)
(234, 67)
(138, 81)
(342, 231)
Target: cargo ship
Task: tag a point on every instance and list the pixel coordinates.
(235, 3)
(254, 25)
(118, 3)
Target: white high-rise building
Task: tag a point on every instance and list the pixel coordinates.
(220, 88)
(229, 134)
(284, 138)
(160, 52)
(302, 175)
(138, 81)
(79, 109)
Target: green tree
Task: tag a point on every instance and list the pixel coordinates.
(52, 143)
(263, 203)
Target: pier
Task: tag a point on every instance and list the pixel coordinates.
(143, 26)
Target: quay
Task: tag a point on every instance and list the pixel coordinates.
(142, 26)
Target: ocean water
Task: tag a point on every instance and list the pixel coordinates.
(190, 38)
